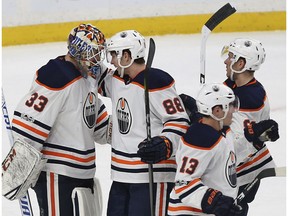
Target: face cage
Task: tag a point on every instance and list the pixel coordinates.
(91, 59)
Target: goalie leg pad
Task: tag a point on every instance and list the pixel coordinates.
(20, 169)
(86, 203)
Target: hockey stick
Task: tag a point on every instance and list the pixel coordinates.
(148, 124)
(270, 172)
(207, 28)
(24, 202)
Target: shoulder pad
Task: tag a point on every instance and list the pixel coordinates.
(202, 136)
(158, 79)
(57, 73)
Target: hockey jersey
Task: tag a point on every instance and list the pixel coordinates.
(254, 107)
(206, 159)
(62, 116)
(167, 116)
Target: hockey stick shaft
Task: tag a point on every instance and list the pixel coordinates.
(148, 124)
(24, 202)
(214, 20)
(270, 172)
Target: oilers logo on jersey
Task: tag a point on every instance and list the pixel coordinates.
(231, 170)
(124, 116)
(89, 112)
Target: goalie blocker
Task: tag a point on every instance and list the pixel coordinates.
(20, 169)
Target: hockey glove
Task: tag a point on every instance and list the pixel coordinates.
(191, 107)
(214, 202)
(258, 133)
(157, 149)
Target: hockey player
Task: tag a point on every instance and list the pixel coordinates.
(244, 57)
(129, 193)
(206, 181)
(54, 128)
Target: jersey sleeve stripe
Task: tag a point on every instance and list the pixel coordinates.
(34, 130)
(256, 167)
(101, 117)
(190, 191)
(182, 120)
(185, 127)
(27, 135)
(239, 168)
(167, 130)
(40, 124)
(104, 124)
(190, 184)
(183, 208)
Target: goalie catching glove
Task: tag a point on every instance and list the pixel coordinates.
(258, 133)
(157, 149)
(20, 169)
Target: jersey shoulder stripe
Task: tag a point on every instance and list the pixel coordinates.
(57, 74)
(197, 136)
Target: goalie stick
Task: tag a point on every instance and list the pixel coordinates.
(24, 202)
(270, 172)
(208, 27)
(148, 124)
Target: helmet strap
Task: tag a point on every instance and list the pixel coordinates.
(235, 71)
(123, 67)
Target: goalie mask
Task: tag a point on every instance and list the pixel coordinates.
(126, 40)
(86, 45)
(215, 94)
(249, 49)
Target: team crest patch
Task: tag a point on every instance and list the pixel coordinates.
(89, 110)
(230, 170)
(124, 116)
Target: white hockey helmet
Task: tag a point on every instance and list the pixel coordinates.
(250, 49)
(214, 94)
(127, 40)
(86, 44)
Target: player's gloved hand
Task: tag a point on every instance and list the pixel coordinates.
(258, 133)
(214, 202)
(191, 107)
(157, 149)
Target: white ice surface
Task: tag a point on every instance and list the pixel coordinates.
(178, 55)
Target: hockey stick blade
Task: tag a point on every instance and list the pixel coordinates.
(150, 58)
(219, 16)
(270, 172)
(213, 21)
